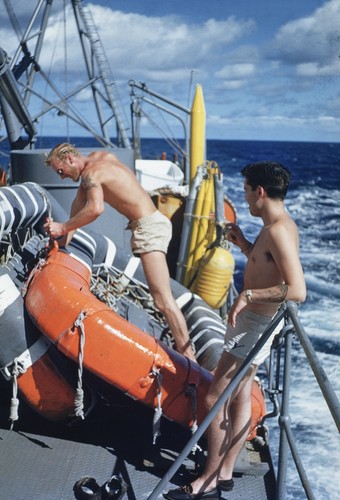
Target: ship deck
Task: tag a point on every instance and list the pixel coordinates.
(42, 461)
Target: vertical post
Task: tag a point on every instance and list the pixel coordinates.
(284, 417)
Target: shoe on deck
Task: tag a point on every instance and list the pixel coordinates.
(185, 493)
(226, 484)
(87, 488)
(114, 489)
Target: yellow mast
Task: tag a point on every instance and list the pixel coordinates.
(197, 132)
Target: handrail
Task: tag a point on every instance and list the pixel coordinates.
(288, 311)
(320, 375)
(286, 436)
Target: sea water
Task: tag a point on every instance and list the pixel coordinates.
(313, 201)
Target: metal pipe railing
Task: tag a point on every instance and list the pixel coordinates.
(319, 373)
(287, 441)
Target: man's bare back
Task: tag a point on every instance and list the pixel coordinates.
(120, 187)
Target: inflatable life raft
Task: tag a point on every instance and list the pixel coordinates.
(61, 305)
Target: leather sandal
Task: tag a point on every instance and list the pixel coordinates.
(87, 488)
(115, 488)
(226, 484)
(185, 493)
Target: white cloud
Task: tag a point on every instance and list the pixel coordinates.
(313, 39)
(149, 43)
(313, 69)
(235, 71)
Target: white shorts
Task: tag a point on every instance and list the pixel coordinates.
(240, 340)
(150, 234)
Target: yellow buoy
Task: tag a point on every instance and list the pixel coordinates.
(214, 276)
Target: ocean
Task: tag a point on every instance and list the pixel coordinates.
(313, 201)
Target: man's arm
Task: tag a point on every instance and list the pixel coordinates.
(87, 206)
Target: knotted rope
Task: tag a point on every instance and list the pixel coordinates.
(16, 371)
(79, 397)
(41, 263)
(158, 411)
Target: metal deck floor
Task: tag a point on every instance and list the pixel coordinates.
(43, 461)
(37, 467)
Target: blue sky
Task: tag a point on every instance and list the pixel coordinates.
(269, 69)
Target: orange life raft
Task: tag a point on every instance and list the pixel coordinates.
(60, 303)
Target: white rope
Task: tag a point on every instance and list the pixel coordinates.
(158, 411)
(79, 397)
(14, 414)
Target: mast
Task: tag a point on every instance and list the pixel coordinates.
(28, 73)
(89, 30)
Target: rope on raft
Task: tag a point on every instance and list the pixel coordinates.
(17, 370)
(158, 411)
(79, 397)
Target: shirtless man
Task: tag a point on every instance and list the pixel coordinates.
(103, 178)
(272, 275)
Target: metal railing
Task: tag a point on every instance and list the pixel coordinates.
(287, 442)
(288, 312)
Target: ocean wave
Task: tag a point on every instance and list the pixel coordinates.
(315, 284)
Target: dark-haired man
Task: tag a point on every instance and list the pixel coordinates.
(272, 275)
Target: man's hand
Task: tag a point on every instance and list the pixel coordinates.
(236, 308)
(235, 235)
(55, 230)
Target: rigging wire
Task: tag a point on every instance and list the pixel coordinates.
(190, 93)
(173, 142)
(46, 87)
(13, 18)
(66, 72)
(170, 136)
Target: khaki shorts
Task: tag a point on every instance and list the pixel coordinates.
(150, 234)
(240, 340)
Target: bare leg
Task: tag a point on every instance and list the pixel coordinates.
(240, 414)
(158, 278)
(230, 427)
